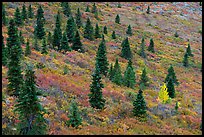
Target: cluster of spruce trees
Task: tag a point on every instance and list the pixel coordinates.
(28, 106)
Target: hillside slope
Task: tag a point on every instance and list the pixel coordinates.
(117, 118)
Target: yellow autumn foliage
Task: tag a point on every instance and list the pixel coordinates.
(163, 94)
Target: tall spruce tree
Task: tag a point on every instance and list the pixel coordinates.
(148, 10)
(27, 50)
(139, 105)
(101, 58)
(78, 19)
(74, 116)
(71, 28)
(95, 10)
(110, 73)
(18, 17)
(151, 46)
(142, 49)
(117, 75)
(87, 9)
(39, 28)
(29, 108)
(117, 19)
(97, 32)
(77, 45)
(44, 47)
(57, 33)
(88, 32)
(170, 88)
(144, 79)
(185, 60)
(119, 5)
(64, 43)
(66, 9)
(15, 78)
(113, 35)
(96, 97)
(188, 50)
(36, 47)
(171, 74)
(126, 51)
(4, 19)
(4, 53)
(129, 30)
(129, 76)
(30, 12)
(24, 13)
(105, 31)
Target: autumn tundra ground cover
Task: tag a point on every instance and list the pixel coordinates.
(62, 76)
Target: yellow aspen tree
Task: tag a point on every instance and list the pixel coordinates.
(163, 94)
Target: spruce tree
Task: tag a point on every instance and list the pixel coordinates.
(171, 74)
(66, 9)
(176, 107)
(71, 29)
(119, 5)
(96, 97)
(30, 12)
(142, 50)
(126, 51)
(110, 73)
(170, 88)
(188, 50)
(21, 38)
(105, 30)
(97, 33)
(4, 19)
(49, 40)
(24, 13)
(139, 104)
(57, 33)
(44, 47)
(113, 35)
(117, 19)
(151, 45)
(129, 76)
(74, 116)
(78, 19)
(36, 47)
(117, 75)
(95, 11)
(144, 79)
(4, 53)
(64, 43)
(18, 17)
(176, 34)
(148, 10)
(101, 58)
(29, 108)
(87, 9)
(39, 28)
(129, 30)
(88, 32)
(77, 45)
(27, 50)
(15, 78)
(185, 60)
